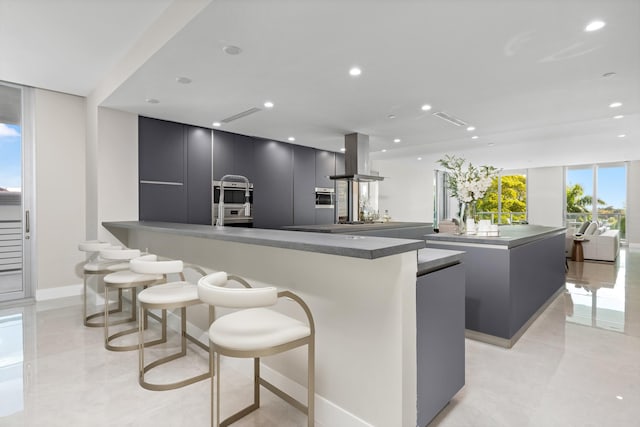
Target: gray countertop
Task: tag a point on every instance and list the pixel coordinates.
(353, 228)
(430, 259)
(510, 236)
(341, 245)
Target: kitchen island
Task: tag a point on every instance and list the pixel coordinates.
(510, 279)
(362, 293)
(395, 229)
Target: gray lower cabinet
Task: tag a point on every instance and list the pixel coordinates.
(273, 184)
(304, 180)
(440, 312)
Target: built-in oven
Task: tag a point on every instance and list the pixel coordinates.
(325, 197)
(236, 212)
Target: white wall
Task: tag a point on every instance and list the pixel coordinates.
(633, 203)
(407, 190)
(545, 203)
(117, 168)
(60, 187)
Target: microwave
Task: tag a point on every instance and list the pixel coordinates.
(325, 198)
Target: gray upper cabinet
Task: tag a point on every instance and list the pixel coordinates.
(162, 163)
(273, 184)
(222, 154)
(198, 175)
(232, 155)
(340, 170)
(161, 150)
(304, 182)
(325, 167)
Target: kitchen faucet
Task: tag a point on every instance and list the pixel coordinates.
(247, 205)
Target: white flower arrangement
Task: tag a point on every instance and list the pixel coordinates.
(468, 184)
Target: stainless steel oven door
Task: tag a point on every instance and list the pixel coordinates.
(325, 198)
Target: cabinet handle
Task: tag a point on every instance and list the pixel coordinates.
(27, 227)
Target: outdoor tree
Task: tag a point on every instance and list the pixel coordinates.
(513, 198)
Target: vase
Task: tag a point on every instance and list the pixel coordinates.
(470, 218)
(462, 218)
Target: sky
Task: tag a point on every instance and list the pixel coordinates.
(10, 157)
(612, 187)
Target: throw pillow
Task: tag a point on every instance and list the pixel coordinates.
(584, 226)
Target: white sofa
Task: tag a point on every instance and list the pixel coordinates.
(599, 244)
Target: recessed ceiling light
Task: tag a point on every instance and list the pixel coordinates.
(622, 135)
(419, 158)
(216, 124)
(343, 149)
(475, 137)
(152, 101)
(619, 116)
(397, 140)
(291, 138)
(384, 150)
(471, 128)
(183, 80)
(426, 107)
(594, 26)
(232, 50)
(268, 104)
(391, 116)
(615, 105)
(355, 71)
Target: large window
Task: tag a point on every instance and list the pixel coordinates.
(506, 200)
(597, 193)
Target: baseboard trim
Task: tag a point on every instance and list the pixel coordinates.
(510, 342)
(59, 292)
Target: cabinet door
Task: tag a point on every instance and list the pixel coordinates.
(162, 202)
(161, 151)
(304, 180)
(325, 167)
(223, 164)
(198, 175)
(273, 186)
(340, 164)
(243, 157)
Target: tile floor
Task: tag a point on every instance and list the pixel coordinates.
(578, 365)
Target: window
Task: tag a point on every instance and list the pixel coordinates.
(597, 193)
(506, 200)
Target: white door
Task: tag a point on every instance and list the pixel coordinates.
(15, 201)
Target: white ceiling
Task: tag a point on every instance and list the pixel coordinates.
(522, 71)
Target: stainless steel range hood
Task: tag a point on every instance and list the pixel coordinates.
(356, 160)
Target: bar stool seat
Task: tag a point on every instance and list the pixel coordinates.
(268, 329)
(171, 293)
(255, 332)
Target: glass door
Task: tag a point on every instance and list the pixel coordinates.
(14, 215)
(612, 196)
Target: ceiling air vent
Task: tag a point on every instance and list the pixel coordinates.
(449, 118)
(241, 115)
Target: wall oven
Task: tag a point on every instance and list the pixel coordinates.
(235, 213)
(325, 198)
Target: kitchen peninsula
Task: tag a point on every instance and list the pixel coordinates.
(510, 279)
(378, 352)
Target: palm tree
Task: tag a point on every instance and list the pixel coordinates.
(577, 202)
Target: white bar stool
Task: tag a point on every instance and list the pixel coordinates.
(179, 294)
(255, 332)
(97, 267)
(122, 280)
